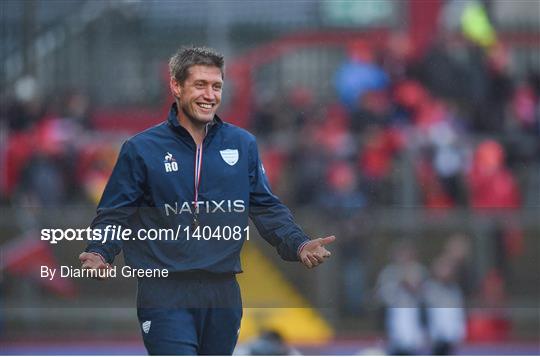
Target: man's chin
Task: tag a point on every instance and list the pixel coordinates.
(205, 119)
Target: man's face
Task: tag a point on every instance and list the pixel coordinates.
(200, 94)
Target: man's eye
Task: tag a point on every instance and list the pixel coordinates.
(217, 88)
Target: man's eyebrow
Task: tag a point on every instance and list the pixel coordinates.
(204, 81)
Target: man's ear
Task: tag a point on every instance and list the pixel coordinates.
(176, 88)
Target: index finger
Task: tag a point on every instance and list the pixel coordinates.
(327, 240)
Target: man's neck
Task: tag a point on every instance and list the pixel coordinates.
(196, 130)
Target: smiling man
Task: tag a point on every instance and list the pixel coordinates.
(199, 179)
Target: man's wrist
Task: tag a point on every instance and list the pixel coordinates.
(301, 247)
(100, 256)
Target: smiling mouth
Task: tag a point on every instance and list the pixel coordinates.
(205, 106)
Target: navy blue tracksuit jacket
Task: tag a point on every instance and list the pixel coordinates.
(153, 186)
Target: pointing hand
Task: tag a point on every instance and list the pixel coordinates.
(315, 253)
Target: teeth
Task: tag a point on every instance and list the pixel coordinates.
(205, 106)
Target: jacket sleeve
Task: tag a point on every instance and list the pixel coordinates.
(272, 218)
(120, 200)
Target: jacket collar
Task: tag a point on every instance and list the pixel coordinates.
(172, 119)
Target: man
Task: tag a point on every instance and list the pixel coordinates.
(202, 177)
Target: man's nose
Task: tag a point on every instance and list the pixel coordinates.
(209, 93)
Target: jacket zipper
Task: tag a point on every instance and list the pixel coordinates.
(197, 181)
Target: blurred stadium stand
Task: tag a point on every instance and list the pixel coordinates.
(444, 141)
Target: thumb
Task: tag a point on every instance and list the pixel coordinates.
(327, 240)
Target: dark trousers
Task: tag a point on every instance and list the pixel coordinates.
(190, 314)
(442, 348)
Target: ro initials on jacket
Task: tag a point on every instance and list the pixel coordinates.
(170, 163)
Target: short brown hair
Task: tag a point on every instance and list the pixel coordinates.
(186, 57)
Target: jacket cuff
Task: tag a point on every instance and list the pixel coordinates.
(300, 247)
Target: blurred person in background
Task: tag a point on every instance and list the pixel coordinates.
(446, 321)
(380, 146)
(269, 343)
(19, 115)
(309, 179)
(26, 107)
(359, 75)
(322, 141)
(458, 251)
(197, 308)
(342, 197)
(493, 188)
(400, 288)
(500, 87)
(354, 255)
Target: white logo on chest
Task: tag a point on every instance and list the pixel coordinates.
(230, 156)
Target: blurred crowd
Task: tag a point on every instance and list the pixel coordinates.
(51, 155)
(456, 117)
(453, 126)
